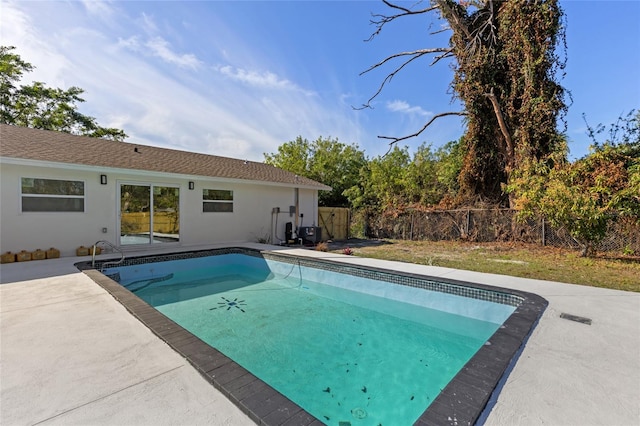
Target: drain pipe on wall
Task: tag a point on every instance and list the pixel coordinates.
(275, 212)
(296, 200)
(314, 218)
(274, 228)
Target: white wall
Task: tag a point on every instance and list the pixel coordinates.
(251, 220)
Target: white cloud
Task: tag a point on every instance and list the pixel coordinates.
(218, 113)
(132, 43)
(148, 23)
(18, 29)
(264, 80)
(404, 108)
(161, 48)
(101, 9)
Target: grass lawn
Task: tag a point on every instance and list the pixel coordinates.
(515, 259)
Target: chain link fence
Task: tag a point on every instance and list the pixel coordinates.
(488, 225)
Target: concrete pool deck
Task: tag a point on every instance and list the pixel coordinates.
(71, 354)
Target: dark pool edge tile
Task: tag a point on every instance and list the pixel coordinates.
(459, 400)
(263, 404)
(487, 370)
(493, 361)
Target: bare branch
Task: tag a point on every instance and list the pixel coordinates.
(417, 53)
(448, 54)
(442, 30)
(484, 32)
(381, 20)
(455, 19)
(413, 56)
(394, 139)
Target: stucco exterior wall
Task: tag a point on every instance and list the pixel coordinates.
(252, 218)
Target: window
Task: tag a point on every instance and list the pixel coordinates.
(51, 195)
(217, 201)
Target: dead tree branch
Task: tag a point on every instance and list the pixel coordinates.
(394, 139)
(455, 19)
(485, 28)
(457, 24)
(412, 57)
(448, 54)
(380, 20)
(480, 32)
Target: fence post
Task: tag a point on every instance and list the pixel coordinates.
(411, 228)
(468, 222)
(544, 236)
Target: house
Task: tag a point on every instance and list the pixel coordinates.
(65, 191)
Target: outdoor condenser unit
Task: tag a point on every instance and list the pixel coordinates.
(288, 231)
(310, 234)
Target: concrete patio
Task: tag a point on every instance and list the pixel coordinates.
(71, 354)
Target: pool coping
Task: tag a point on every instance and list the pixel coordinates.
(464, 400)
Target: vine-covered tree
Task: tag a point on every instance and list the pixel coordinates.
(38, 106)
(506, 64)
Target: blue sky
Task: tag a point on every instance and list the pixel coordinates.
(239, 78)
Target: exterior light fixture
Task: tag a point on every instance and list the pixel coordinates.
(192, 185)
(103, 179)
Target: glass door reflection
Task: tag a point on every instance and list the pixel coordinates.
(149, 214)
(166, 214)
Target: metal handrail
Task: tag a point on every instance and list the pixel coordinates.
(93, 255)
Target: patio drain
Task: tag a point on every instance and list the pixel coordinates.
(576, 318)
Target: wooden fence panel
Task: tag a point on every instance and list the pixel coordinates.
(163, 222)
(334, 222)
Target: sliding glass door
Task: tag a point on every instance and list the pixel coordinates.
(149, 214)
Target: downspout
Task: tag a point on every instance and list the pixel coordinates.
(315, 208)
(296, 199)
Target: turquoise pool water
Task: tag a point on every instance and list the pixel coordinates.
(344, 355)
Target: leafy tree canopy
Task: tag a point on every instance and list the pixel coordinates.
(41, 107)
(325, 160)
(397, 180)
(586, 196)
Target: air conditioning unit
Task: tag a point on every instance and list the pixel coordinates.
(310, 234)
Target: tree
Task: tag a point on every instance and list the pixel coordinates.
(432, 176)
(388, 179)
(292, 156)
(42, 107)
(449, 159)
(325, 160)
(422, 186)
(396, 181)
(586, 196)
(505, 66)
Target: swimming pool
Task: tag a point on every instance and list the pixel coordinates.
(375, 339)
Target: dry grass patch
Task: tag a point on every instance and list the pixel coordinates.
(515, 259)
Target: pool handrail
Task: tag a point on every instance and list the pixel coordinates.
(93, 255)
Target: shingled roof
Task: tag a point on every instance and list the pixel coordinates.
(44, 145)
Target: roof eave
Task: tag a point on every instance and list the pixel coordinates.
(137, 172)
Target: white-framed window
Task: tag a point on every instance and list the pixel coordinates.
(51, 195)
(217, 201)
